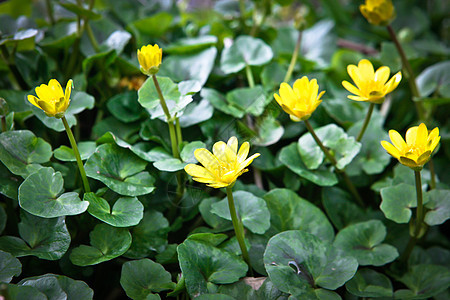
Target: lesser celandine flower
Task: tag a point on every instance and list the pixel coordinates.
(222, 167)
(370, 86)
(51, 98)
(417, 149)
(150, 59)
(378, 12)
(301, 100)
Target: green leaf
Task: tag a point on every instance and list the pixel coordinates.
(41, 194)
(81, 11)
(187, 154)
(191, 44)
(340, 208)
(117, 41)
(154, 26)
(204, 265)
(78, 103)
(59, 287)
(213, 220)
(169, 165)
(290, 157)
(9, 267)
(45, 238)
(61, 36)
(3, 218)
(439, 207)
(124, 107)
(125, 212)
(149, 236)
(175, 100)
(368, 283)
(196, 112)
(107, 243)
(398, 200)
(252, 288)
(23, 292)
(424, 282)
(297, 262)
(220, 103)
(120, 170)
(65, 153)
(22, 152)
(435, 80)
(139, 278)
(192, 66)
(363, 242)
(246, 50)
(250, 100)
(332, 137)
(270, 131)
(288, 211)
(214, 297)
(253, 211)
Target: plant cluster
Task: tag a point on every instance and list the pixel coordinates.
(224, 149)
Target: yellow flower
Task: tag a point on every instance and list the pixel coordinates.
(222, 167)
(301, 100)
(150, 59)
(51, 98)
(370, 86)
(378, 12)
(417, 149)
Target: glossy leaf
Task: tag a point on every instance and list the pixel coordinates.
(9, 267)
(41, 194)
(107, 243)
(439, 207)
(124, 107)
(120, 170)
(369, 283)
(65, 153)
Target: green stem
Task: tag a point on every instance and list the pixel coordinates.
(92, 38)
(366, 122)
(242, 10)
(50, 12)
(294, 58)
(73, 143)
(419, 216)
(172, 132)
(3, 118)
(248, 72)
(9, 60)
(432, 174)
(238, 227)
(178, 130)
(409, 70)
(333, 161)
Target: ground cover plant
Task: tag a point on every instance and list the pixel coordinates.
(224, 149)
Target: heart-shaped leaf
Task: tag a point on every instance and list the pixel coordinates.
(439, 207)
(369, 283)
(297, 262)
(253, 211)
(22, 152)
(126, 211)
(120, 170)
(246, 50)
(204, 265)
(9, 267)
(363, 241)
(65, 153)
(107, 243)
(288, 211)
(139, 278)
(45, 238)
(290, 157)
(124, 107)
(40, 194)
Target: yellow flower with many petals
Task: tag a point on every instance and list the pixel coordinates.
(378, 12)
(301, 100)
(150, 59)
(51, 98)
(370, 86)
(222, 167)
(417, 149)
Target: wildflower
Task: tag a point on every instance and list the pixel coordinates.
(150, 59)
(417, 149)
(378, 12)
(370, 86)
(301, 100)
(51, 98)
(222, 167)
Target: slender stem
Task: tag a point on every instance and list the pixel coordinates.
(412, 77)
(366, 122)
(92, 38)
(419, 216)
(50, 12)
(409, 248)
(178, 130)
(331, 158)
(3, 119)
(433, 174)
(291, 67)
(172, 132)
(242, 10)
(238, 227)
(248, 72)
(73, 143)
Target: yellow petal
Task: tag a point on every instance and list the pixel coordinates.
(382, 75)
(366, 71)
(434, 143)
(246, 162)
(33, 100)
(393, 82)
(409, 162)
(56, 89)
(397, 140)
(233, 143)
(219, 151)
(390, 149)
(355, 75)
(208, 160)
(357, 98)
(422, 135)
(243, 152)
(411, 135)
(351, 88)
